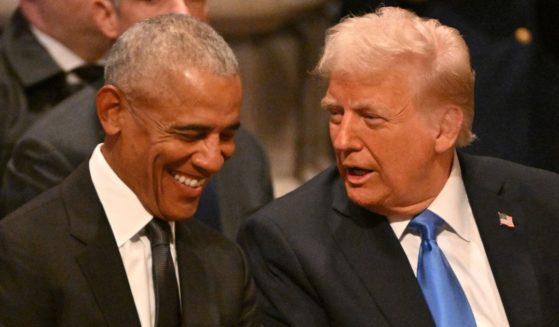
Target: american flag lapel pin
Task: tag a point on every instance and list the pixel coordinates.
(505, 220)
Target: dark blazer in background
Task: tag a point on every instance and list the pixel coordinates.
(60, 266)
(65, 137)
(31, 83)
(320, 260)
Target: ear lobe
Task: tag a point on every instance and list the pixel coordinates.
(109, 102)
(106, 18)
(450, 123)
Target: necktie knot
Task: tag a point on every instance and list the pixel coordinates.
(158, 232)
(89, 73)
(427, 223)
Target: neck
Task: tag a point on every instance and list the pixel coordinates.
(431, 185)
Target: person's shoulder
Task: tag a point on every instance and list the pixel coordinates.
(32, 222)
(201, 236)
(515, 179)
(72, 114)
(70, 128)
(50, 208)
(305, 205)
(507, 170)
(212, 247)
(246, 138)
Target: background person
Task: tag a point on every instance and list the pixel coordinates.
(44, 44)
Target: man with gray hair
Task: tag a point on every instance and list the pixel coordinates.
(60, 139)
(405, 230)
(113, 245)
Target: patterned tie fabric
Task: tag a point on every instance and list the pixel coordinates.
(442, 291)
(167, 303)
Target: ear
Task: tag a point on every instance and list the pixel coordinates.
(106, 18)
(109, 102)
(450, 123)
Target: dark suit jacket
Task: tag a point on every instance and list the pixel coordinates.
(31, 83)
(65, 137)
(60, 266)
(320, 260)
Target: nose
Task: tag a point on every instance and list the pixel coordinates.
(179, 7)
(198, 9)
(211, 154)
(344, 135)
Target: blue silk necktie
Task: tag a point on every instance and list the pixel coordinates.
(442, 291)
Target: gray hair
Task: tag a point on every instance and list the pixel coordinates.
(167, 43)
(434, 56)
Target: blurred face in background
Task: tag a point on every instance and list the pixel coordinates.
(130, 12)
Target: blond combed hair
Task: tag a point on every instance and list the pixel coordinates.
(434, 57)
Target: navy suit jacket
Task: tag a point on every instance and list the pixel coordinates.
(60, 266)
(319, 260)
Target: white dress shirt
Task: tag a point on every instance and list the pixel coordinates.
(461, 244)
(128, 218)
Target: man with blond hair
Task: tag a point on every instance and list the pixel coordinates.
(406, 230)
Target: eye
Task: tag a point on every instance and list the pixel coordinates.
(227, 136)
(336, 114)
(191, 136)
(372, 119)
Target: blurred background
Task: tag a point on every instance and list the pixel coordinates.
(515, 53)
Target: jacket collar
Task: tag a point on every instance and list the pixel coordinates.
(29, 60)
(100, 261)
(490, 192)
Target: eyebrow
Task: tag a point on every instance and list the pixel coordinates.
(203, 128)
(328, 102)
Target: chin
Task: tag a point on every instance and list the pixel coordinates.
(363, 199)
(179, 211)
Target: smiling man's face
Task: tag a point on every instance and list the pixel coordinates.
(174, 137)
(384, 144)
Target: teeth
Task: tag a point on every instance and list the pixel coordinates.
(189, 181)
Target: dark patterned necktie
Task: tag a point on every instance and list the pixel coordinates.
(167, 303)
(442, 291)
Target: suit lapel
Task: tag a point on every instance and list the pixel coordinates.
(374, 253)
(506, 248)
(100, 262)
(197, 307)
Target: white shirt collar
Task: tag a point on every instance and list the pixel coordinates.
(64, 57)
(124, 210)
(450, 204)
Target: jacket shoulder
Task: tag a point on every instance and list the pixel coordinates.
(306, 205)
